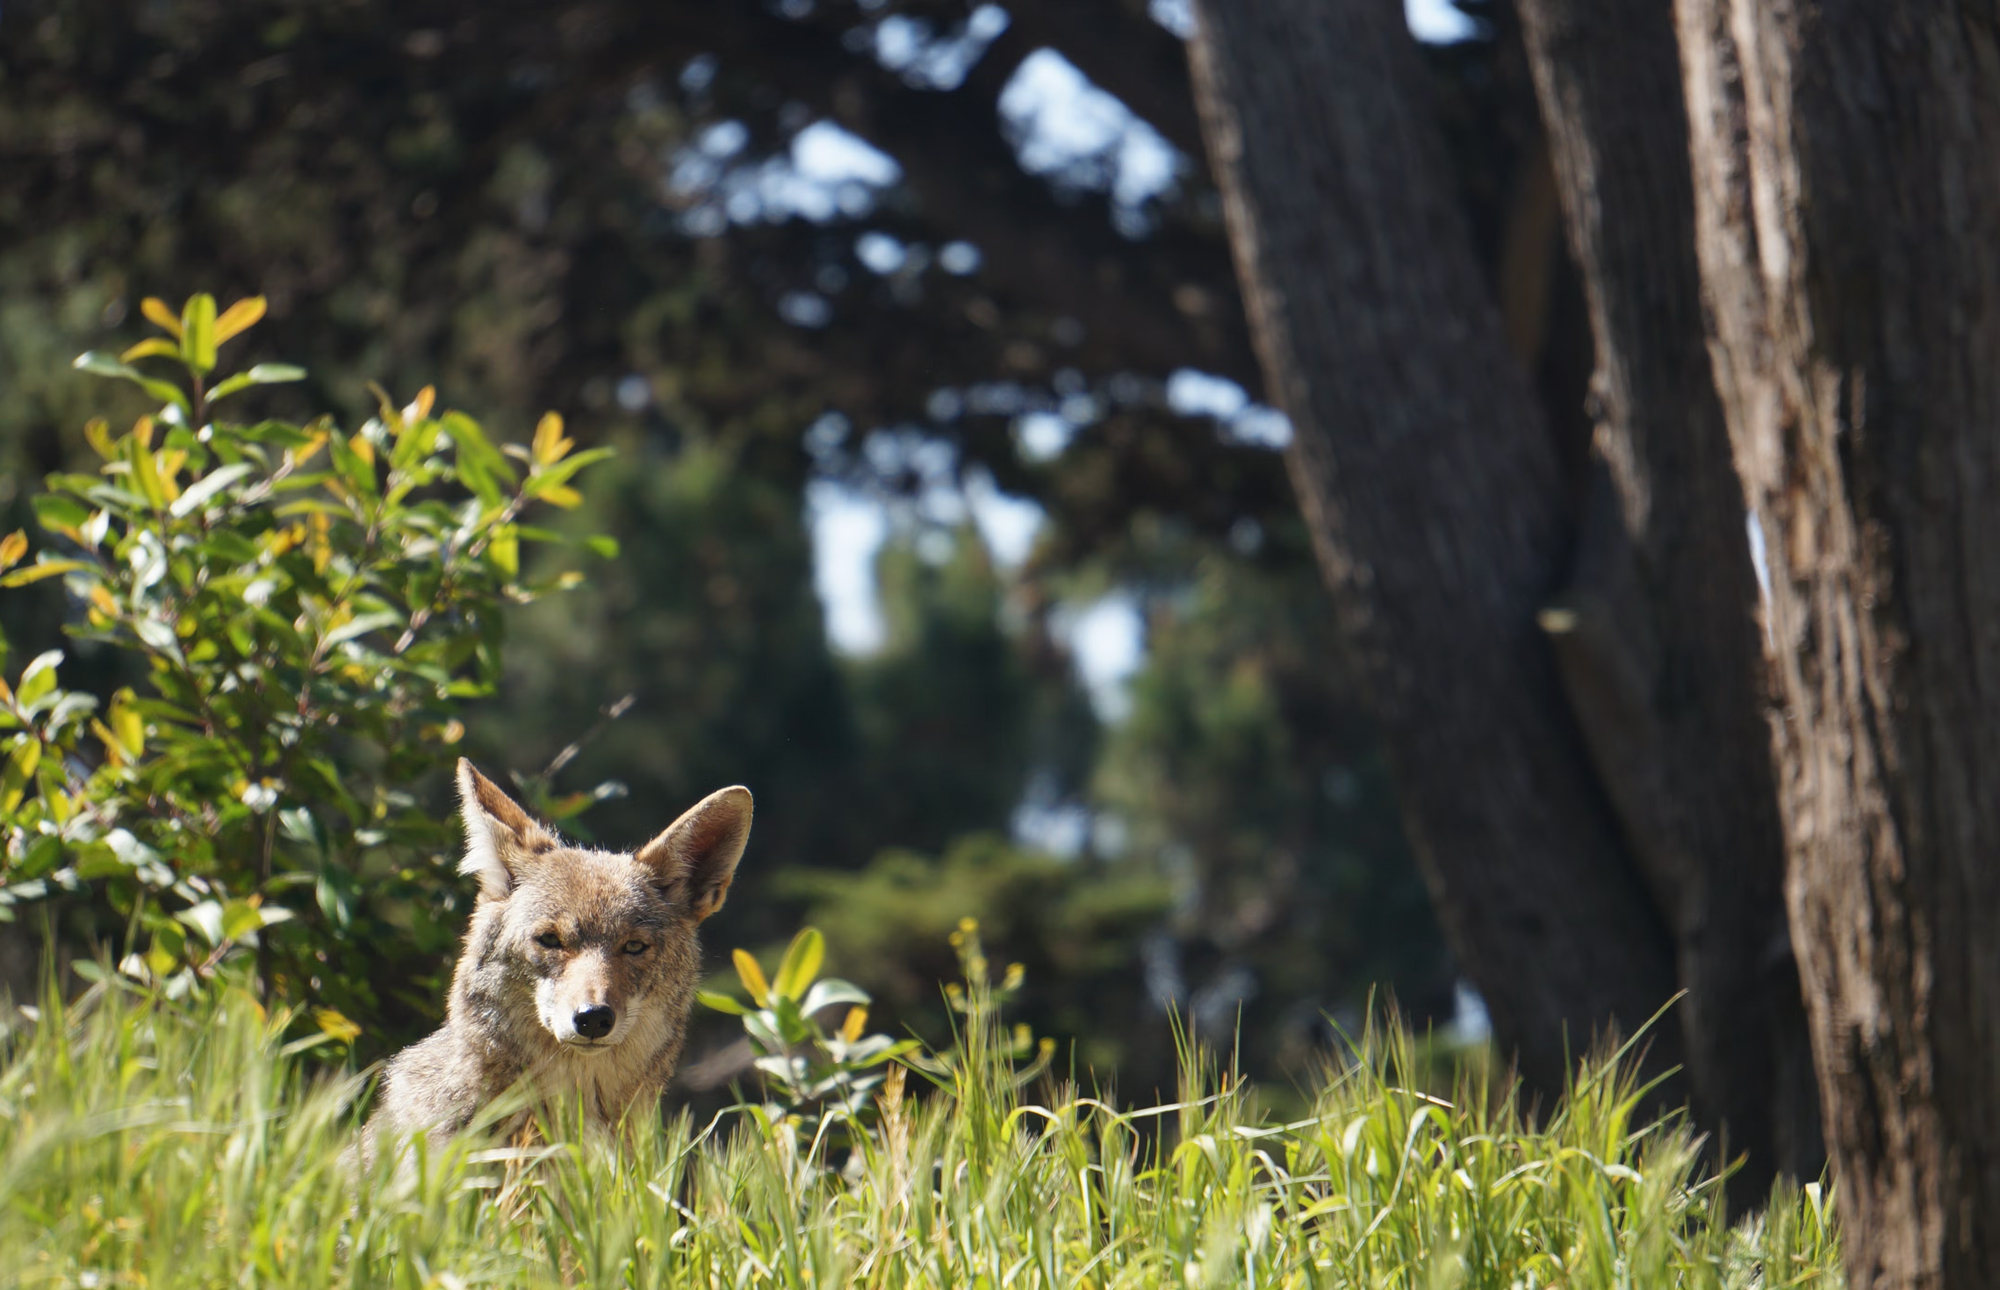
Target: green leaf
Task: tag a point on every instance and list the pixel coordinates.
(505, 550)
(824, 994)
(357, 470)
(101, 364)
(146, 471)
(603, 545)
(206, 918)
(159, 637)
(240, 918)
(101, 862)
(721, 1003)
(758, 1025)
(206, 487)
(198, 332)
(42, 856)
(20, 769)
(800, 964)
(752, 976)
(481, 467)
(59, 514)
(261, 374)
(151, 347)
(553, 476)
(38, 678)
(238, 318)
(361, 625)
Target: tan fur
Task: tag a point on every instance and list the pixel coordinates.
(516, 1004)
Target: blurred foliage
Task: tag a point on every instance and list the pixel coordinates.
(1248, 778)
(600, 207)
(1075, 926)
(310, 609)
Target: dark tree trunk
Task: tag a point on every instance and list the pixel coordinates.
(1848, 195)
(1432, 486)
(1658, 635)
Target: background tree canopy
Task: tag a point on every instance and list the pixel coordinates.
(950, 276)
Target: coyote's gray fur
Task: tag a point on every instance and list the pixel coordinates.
(579, 967)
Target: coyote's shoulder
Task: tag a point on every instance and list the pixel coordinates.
(579, 966)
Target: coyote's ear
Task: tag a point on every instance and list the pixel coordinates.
(696, 857)
(499, 835)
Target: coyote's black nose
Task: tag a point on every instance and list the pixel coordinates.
(595, 1022)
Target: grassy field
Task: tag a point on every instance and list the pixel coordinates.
(151, 1144)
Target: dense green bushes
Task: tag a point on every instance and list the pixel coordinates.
(308, 609)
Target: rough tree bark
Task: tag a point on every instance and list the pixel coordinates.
(1848, 195)
(1432, 488)
(1657, 634)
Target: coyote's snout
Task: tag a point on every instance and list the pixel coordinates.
(579, 967)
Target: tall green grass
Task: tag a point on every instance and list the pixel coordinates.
(149, 1143)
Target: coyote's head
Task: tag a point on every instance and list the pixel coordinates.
(585, 954)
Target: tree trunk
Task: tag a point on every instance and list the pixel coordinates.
(1849, 216)
(1432, 488)
(1660, 644)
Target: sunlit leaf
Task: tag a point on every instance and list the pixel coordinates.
(100, 364)
(752, 977)
(481, 467)
(12, 548)
(97, 432)
(832, 990)
(335, 1026)
(361, 625)
(198, 332)
(239, 318)
(41, 569)
(151, 347)
(157, 312)
(549, 444)
(199, 492)
(38, 678)
(204, 917)
(126, 723)
(505, 550)
(800, 964)
(261, 374)
(19, 771)
(720, 1003)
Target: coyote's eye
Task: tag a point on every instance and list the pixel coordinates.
(549, 941)
(636, 947)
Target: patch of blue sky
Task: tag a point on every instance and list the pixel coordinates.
(1076, 135)
(1435, 21)
(1238, 420)
(1107, 638)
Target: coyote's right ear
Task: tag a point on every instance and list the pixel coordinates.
(499, 835)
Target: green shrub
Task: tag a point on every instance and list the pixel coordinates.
(309, 607)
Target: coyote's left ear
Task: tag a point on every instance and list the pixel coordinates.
(696, 857)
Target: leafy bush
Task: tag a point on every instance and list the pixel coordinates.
(310, 608)
(149, 1142)
(830, 1076)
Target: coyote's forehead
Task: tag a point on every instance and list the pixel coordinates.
(590, 894)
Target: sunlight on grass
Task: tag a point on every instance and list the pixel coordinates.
(149, 1143)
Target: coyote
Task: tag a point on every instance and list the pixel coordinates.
(579, 967)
